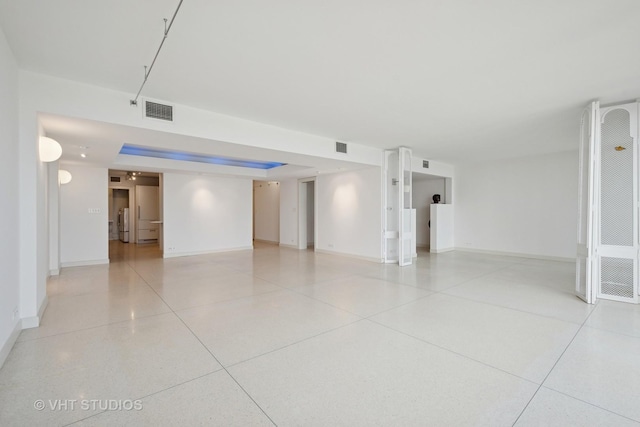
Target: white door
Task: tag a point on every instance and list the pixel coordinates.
(589, 135)
(617, 234)
(405, 245)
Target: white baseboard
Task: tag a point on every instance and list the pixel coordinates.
(517, 254)
(284, 245)
(85, 263)
(214, 251)
(271, 242)
(5, 349)
(55, 272)
(34, 321)
(363, 258)
(439, 251)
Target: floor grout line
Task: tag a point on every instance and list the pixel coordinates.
(451, 351)
(519, 310)
(553, 367)
(214, 356)
(117, 322)
(297, 342)
(588, 403)
(360, 318)
(150, 394)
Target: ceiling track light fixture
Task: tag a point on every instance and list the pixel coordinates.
(131, 176)
(147, 71)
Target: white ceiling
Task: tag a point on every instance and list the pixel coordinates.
(454, 79)
(101, 142)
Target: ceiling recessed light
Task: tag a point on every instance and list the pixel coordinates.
(83, 155)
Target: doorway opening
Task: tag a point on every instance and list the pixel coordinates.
(135, 215)
(425, 187)
(306, 213)
(119, 217)
(266, 212)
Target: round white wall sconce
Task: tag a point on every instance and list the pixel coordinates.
(64, 176)
(50, 150)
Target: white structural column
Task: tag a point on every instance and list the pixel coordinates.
(398, 231)
(405, 199)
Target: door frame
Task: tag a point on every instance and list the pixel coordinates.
(132, 202)
(302, 213)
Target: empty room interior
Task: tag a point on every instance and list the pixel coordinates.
(320, 213)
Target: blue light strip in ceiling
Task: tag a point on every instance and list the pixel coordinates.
(134, 150)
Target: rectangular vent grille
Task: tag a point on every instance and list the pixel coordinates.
(115, 179)
(158, 111)
(425, 164)
(341, 147)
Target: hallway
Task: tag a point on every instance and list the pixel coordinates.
(287, 337)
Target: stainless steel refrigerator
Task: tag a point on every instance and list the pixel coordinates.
(123, 224)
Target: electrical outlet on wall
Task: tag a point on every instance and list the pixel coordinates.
(16, 313)
(94, 210)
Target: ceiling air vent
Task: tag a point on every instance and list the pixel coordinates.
(425, 164)
(115, 179)
(158, 111)
(341, 147)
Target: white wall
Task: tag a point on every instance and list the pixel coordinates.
(83, 235)
(34, 214)
(266, 209)
(289, 213)
(68, 98)
(206, 214)
(435, 167)
(422, 192)
(349, 211)
(53, 198)
(525, 206)
(45, 94)
(9, 194)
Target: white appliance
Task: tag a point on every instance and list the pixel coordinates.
(123, 224)
(148, 201)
